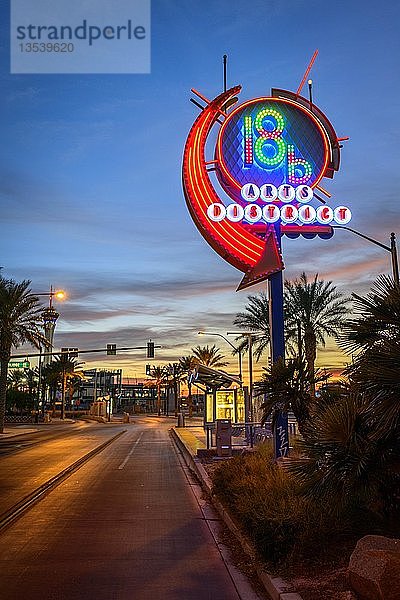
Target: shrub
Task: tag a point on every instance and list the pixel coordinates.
(262, 496)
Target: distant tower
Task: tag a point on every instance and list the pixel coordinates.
(50, 316)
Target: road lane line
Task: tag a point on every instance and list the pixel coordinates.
(122, 465)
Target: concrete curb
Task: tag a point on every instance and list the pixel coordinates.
(277, 588)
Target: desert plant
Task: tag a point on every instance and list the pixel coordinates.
(262, 497)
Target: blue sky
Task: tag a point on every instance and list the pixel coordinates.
(90, 168)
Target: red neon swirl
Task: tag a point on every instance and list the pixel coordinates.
(232, 241)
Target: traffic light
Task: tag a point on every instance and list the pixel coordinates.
(148, 368)
(150, 349)
(111, 349)
(68, 353)
(64, 355)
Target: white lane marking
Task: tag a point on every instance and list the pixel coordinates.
(122, 465)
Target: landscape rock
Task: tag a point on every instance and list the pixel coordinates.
(374, 568)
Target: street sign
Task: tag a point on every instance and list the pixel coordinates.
(19, 364)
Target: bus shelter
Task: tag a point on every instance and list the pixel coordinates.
(224, 394)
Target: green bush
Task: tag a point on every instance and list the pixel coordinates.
(262, 497)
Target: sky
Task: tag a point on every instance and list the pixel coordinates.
(90, 170)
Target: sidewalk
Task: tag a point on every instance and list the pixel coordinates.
(193, 435)
(191, 438)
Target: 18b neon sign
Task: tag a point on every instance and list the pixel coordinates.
(264, 143)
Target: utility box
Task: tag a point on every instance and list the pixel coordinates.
(224, 437)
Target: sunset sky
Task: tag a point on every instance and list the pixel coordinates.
(90, 169)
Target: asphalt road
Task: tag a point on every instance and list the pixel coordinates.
(29, 460)
(127, 525)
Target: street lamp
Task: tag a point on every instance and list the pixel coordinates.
(236, 349)
(249, 336)
(59, 294)
(392, 248)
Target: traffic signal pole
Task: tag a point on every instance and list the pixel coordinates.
(76, 351)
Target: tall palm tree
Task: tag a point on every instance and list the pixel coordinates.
(159, 377)
(50, 379)
(187, 364)
(62, 371)
(175, 372)
(20, 322)
(315, 309)
(209, 356)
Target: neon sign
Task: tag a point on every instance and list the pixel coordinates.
(270, 156)
(280, 210)
(271, 140)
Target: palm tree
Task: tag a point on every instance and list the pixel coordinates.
(187, 364)
(255, 319)
(32, 382)
(374, 336)
(209, 356)
(350, 448)
(20, 322)
(377, 316)
(342, 462)
(61, 371)
(286, 387)
(315, 310)
(16, 380)
(50, 378)
(159, 377)
(175, 372)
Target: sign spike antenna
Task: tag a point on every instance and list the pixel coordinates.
(310, 82)
(225, 70)
(224, 59)
(307, 72)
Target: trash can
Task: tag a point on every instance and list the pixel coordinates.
(224, 437)
(125, 418)
(181, 420)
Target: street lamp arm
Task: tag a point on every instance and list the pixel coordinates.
(247, 334)
(366, 237)
(392, 248)
(219, 335)
(235, 349)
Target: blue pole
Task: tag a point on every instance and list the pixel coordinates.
(277, 329)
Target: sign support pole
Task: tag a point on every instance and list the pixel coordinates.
(277, 329)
